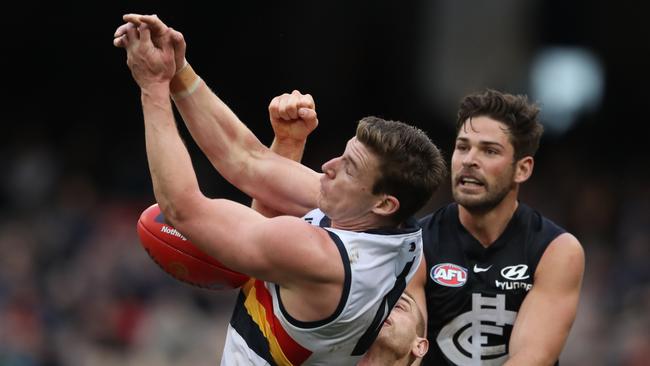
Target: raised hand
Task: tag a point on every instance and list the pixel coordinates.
(161, 35)
(293, 117)
(149, 65)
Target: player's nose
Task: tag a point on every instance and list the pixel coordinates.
(329, 167)
(469, 158)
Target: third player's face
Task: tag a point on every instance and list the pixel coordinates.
(346, 187)
(482, 169)
(399, 331)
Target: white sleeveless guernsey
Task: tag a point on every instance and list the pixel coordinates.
(378, 265)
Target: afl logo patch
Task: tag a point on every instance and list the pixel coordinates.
(449, 274)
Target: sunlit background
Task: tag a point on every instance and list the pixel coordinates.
(76, 288)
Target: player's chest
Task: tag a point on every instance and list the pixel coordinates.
(454, 275)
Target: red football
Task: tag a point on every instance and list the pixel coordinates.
(180, 258)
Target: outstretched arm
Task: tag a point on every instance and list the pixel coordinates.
(284, 250)
(243, 160)
(229, 145)
(547, 313)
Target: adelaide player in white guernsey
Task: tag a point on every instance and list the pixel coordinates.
(322, 285)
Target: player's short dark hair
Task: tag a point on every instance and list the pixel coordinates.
(411, 166)
(515, 111)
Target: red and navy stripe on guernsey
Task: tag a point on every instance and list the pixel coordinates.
(254, 320)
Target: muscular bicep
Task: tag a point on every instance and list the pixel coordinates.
(281, 250)
(546, 315)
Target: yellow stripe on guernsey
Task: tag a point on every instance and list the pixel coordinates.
(259, 305)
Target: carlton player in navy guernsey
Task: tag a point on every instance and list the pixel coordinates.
(474, 292)
(501, 281)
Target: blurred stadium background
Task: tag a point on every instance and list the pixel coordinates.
(77, 289)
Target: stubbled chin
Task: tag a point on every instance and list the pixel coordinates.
(466, 197)
(468, 190)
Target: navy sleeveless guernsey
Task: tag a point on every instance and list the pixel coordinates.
(474, 293)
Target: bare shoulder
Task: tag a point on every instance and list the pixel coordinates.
(286, 225)
(306, 251)
(565, 249)
(563, 260)
(291, 229)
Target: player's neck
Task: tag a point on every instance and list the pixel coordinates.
(367, 222)
(375, 357)
(487, 226)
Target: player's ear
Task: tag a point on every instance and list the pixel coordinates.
(524, 169)
(386, 205)
(420, 347)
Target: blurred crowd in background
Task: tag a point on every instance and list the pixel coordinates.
(76, 287)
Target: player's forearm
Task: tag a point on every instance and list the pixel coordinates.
(226, 141)
(535, 342)
(290, 149)
(539, 332)
(172, 174)
(530, 358)
(538, 336)
(242, 159)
